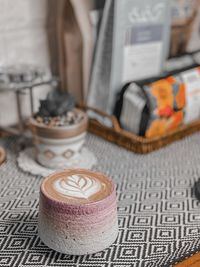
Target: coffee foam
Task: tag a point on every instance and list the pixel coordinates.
(77, 186)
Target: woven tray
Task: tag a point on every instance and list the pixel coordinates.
(2, 155)
(136, 143)
(192, 261)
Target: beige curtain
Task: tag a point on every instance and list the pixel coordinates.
(66, 49)
(71, 42)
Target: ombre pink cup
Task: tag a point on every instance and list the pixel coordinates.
(78, 212)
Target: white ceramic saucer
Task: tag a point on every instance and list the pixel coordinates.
(26, 162)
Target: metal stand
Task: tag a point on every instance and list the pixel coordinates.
(19, 112)
(17, 90)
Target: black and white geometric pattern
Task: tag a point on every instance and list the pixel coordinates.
(159, 216)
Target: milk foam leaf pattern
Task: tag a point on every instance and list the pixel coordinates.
(76, 186)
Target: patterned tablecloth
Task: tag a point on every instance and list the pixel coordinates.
(159, 217)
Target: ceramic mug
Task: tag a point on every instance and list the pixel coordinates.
(78, 212)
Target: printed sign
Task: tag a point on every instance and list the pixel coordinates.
(141, 41)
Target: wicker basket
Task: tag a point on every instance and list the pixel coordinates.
(136, 143)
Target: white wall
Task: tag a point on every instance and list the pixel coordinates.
(23, 39)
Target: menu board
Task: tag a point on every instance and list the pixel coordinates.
(133, 44)
(140, 42)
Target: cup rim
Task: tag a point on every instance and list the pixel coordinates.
(86, 206)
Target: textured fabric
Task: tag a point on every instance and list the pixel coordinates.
(159, 217)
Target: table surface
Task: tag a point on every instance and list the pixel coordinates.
(159, 217)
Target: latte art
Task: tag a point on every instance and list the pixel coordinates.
(76, 186)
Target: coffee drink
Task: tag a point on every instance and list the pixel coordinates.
(77, 186)
(78, 212)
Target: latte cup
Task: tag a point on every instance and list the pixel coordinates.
(78, 212)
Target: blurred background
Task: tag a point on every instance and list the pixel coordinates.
(95, 47)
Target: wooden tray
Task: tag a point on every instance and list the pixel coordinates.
(133, 142)
(192, 261)
(2, 155)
